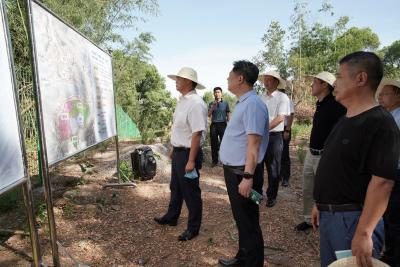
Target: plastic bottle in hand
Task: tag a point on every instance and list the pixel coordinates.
(255, 196)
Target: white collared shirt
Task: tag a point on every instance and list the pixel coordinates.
(277, 103)
(190, 116)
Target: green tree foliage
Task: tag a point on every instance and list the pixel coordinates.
(273, 45)
(391, 60)
(156, 103)
(315, 47)
(18, 30)
(140, 88)
(102, 20)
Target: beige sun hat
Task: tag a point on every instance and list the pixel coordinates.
(188, 73)
(275, 74)
(386, 81)
(352, 262)
(326, 77)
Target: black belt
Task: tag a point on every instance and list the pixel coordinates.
(180, 148)
(238, 170)
(316, 152)
(339, 208)
(275, 133)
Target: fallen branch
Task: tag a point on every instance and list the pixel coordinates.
(13, 232)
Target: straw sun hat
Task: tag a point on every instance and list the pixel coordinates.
(351, 262)
(386, 81)
(275, 74)
(325, 76)
(187, 73)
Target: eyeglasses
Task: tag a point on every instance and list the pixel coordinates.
(387, 93)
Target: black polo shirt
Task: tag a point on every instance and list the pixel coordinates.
(326, 115)
(357, 148)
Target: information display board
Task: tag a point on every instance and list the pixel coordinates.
(76, 87)
(12, 170)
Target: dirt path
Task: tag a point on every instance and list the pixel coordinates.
(115, 227)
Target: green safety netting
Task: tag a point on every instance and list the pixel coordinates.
(127, 129)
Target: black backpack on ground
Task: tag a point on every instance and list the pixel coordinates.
(144, 164)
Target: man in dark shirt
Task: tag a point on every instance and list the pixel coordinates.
(357, 169)
(326, 115)
(219, 111)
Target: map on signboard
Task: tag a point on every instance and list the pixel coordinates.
(11, 162)
(76, 87)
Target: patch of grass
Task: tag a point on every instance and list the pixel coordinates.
(68, 210)
(302, 151)
(41, 213)
(82, 181)
(301, 130)
(125, 171)
(11, 199)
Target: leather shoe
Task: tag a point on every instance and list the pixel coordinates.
(230, 262)
(163, 221)
(271, 203)
(187, 235)
(303, 226)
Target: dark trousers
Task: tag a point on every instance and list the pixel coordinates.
(247, 217)
(272, 160)
(285, 161)
(185, 189)
(217, 130)
(392, 227)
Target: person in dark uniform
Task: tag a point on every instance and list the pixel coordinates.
(357, 169)
(188, 131)
(327, 113)
(219, 111)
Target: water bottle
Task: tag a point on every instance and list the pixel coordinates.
(255, 196)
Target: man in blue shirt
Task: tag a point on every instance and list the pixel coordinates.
(241, 153)
(389, 98)
(219, 111)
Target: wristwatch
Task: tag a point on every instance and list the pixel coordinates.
(247, 175)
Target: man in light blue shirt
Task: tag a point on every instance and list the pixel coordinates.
(242, 151)
(389, 98)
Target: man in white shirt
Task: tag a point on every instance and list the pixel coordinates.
(188, 132)
(278, 107)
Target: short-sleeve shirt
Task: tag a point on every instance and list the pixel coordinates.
(249, 117)
(327, 113)
(277, 104)
(220, 111)
(190, 116)
(357, 148)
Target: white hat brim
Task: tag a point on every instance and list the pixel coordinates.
(352, 262)
(199, 86)
(386, 81)
(282, 82)
(321, 78)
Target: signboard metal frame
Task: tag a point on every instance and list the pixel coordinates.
(44, 164)
(25, 181)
